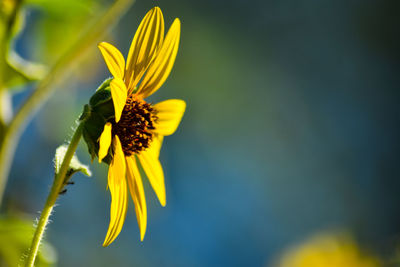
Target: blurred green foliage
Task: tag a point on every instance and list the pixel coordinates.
(55, 25)
(14, 70)
(15, 233)
(58, 24)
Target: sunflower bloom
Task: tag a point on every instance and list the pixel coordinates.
(136, 133)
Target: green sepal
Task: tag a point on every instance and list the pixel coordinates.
(95, 115)
(75, 165)
(102, 94)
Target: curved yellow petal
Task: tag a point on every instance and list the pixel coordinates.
(113, 58)
(159, 70)
(169, 113)
(105, 141)
(145, 44)
(119, 94)
(118, 190)
(135, 185)
(154, 172)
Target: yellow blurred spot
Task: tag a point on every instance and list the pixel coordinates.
(327, 250)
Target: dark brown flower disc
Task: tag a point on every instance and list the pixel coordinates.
(135, 128)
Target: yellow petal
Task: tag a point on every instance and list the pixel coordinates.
(145, 44)
(119, 95)
(169, 113)
(113, 58)
(105, 141)
(159, 70)
(155, 145)
(137, 193)
(154, 172)
(118, 190)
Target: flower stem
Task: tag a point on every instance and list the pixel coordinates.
(58, 183)
(46, 86)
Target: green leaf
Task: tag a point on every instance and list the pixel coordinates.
(75, 165)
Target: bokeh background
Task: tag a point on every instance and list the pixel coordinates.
(291, 129)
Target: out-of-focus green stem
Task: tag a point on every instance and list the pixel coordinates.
(3, 103)
(58, 183)
(5, 107)
(6, 33)
(13, 16)
(46, 86)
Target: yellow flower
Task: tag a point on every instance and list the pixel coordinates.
(136, 134)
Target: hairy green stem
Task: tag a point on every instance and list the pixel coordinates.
(58, 184)
(46, 86)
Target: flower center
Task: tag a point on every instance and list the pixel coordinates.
(134, 129)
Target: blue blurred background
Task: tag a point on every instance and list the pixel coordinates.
(292, 127)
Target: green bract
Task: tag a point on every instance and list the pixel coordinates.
(95, 115)
(74, 166)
